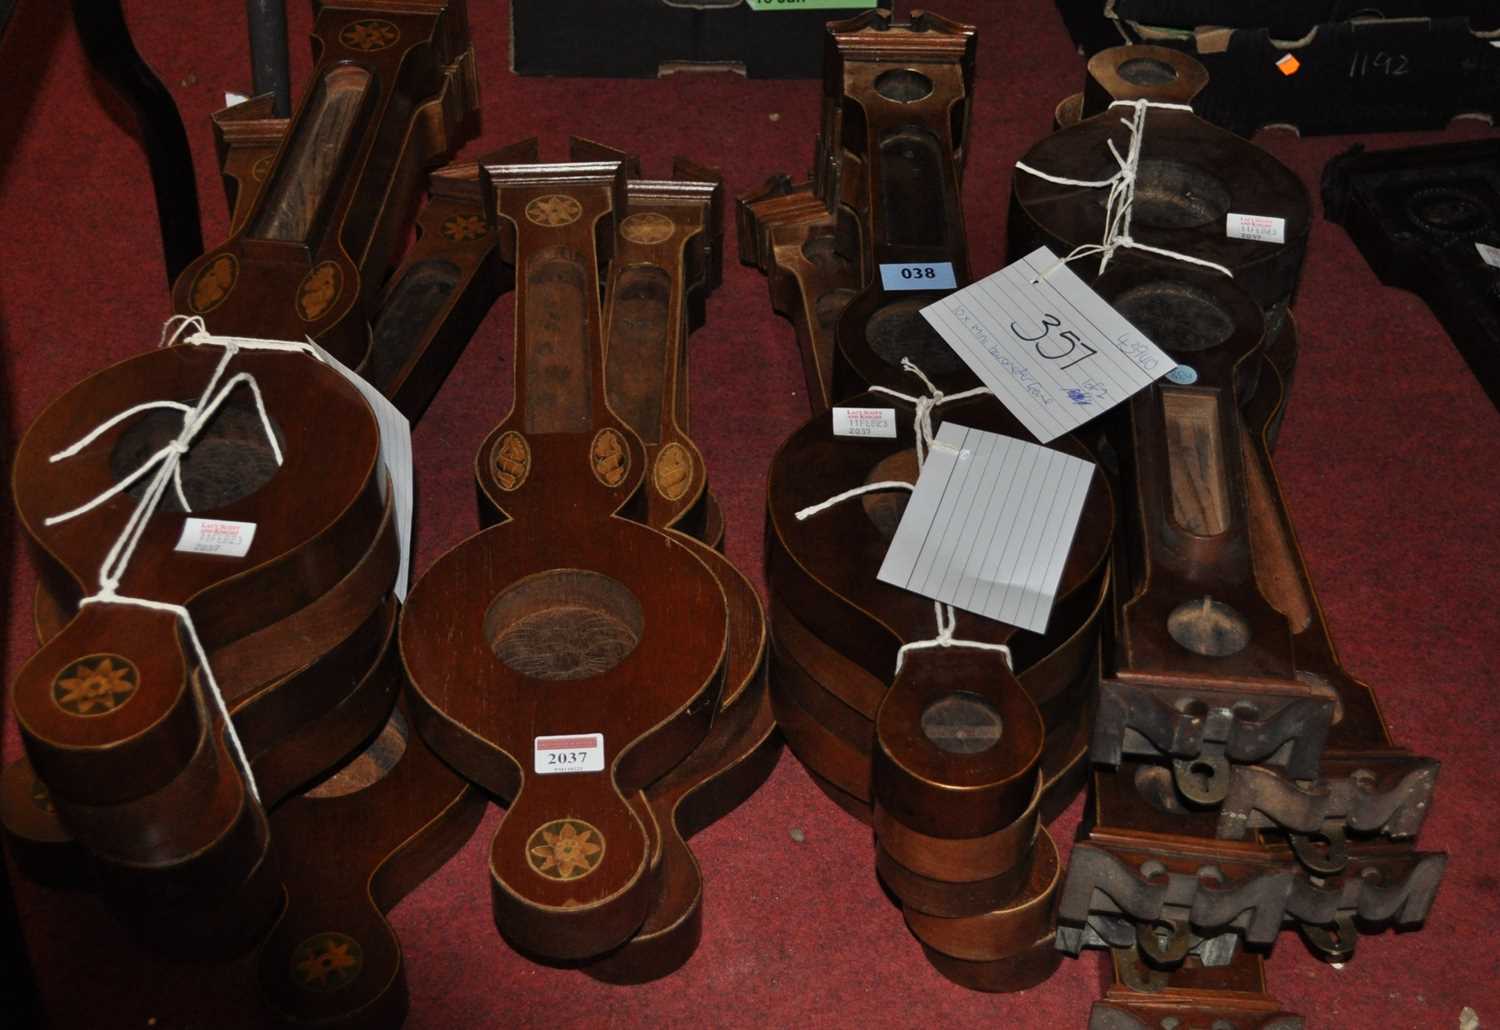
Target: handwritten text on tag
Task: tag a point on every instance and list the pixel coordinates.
(864, 422)
(216, 536)
(1046, 344)
(569, 753)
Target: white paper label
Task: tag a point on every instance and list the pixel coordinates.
(230, 99)
(395, 448)
(569, 753)
(989, 525)
(865, 422)
(216, 536)
(1488, 254)
(1051, 349)
(918, 275)
(1260, 228)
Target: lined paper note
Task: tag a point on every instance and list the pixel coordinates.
(989, 525)
(395, 448)
(1053, 351)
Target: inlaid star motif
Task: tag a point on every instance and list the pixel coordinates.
(94, 685)
(369, 35)
(326, 962)
(566, 849)
(647, 228)
(554, 210)
(464, 227)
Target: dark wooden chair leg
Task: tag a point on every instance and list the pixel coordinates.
(110, 50)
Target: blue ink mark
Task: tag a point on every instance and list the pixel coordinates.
(1076, 395)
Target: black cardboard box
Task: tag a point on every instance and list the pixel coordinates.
(1375, 75)
(647, 38)
(1353, 76)
(1293, 19)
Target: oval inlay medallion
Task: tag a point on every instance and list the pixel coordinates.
(609, 457)
(318, 290)
(674, 471)
(510, 460)
(565, 849)
(95, 685)
(647, 227)
(369, 35)
(554, 210)
(214, 283)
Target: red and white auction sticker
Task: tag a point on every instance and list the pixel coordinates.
(865, 422)
(1260, 228)
(216, 536)
(568, 753)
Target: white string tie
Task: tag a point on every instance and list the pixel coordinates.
(947, 621)
(1119, 205)
(923, 406)
(165, 467)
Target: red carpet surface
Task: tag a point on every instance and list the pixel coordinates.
(1388, 460)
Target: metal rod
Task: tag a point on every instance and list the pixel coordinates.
(270, 70)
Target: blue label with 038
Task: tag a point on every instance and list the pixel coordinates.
(918, 275)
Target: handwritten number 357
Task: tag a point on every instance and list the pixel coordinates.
(1051, 350)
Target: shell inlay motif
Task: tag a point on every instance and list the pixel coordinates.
(214, 283)
(318, 290)
(674, 471)
(609, 457)
(510, 461)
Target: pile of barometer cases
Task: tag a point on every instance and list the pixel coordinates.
(203, 736)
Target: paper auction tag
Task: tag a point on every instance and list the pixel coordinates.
(918, 275)
(989, 525)
(1260, 228)
(569, 753)
(1050, 348)
(216, 536)
(865, 422)
(1488, 254)
(395, 448)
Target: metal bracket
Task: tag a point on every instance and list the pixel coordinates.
(1255, 905)
(1391, 801)
(1137, 720)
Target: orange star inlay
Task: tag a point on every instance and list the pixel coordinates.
(90, 687)
(566, 849)
(369, 35)
(464, 227)
(327, 961)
